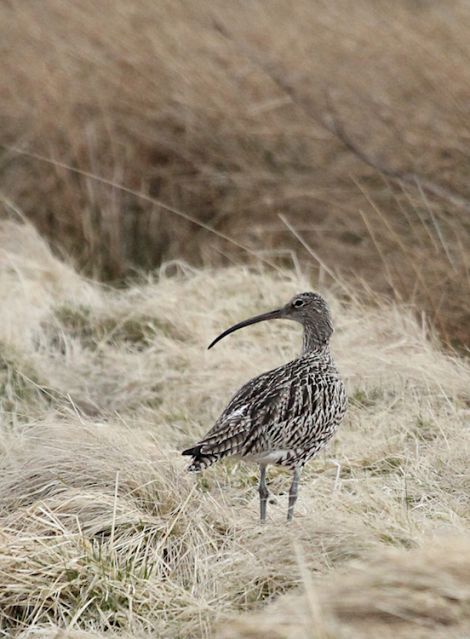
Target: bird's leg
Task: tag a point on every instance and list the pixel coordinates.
(293, 493)
(263, 493)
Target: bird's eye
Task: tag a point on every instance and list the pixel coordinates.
(298, 303)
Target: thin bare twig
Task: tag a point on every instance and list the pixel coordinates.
(332, 123)
(336, 127)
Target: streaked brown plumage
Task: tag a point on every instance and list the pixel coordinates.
(286, 415)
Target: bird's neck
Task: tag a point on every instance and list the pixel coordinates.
(314, 344)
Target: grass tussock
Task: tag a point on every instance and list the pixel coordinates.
(407, 594)
(348, 118)
(102, 531)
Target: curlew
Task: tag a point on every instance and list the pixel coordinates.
(286, 415)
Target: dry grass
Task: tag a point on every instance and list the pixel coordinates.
(223, 111)
(408, 594)
(103, 531)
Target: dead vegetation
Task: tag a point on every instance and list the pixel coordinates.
(396, 594)
(349, 119)
(102, 533)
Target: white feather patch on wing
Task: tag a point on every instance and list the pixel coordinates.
(236, 413)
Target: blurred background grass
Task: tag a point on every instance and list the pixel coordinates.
(332, 133)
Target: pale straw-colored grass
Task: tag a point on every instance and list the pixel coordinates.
(103, 531)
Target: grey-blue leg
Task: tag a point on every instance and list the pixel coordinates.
(293, 493)
(263, 493)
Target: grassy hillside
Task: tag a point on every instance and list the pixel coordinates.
(103, 533)
(350, 119)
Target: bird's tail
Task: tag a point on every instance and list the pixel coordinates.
(201, 460)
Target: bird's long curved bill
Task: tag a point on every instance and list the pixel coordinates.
(277, 314)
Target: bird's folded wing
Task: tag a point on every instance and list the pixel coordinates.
(255, 407)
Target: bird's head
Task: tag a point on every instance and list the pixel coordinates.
(309, 309)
